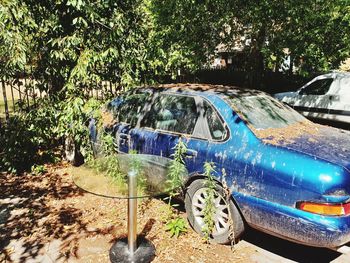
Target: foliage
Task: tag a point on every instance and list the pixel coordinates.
(107, 142)
(18, 151)
(177, 169)
(16, 38)
(176, 227)
(209, 204)
(30, 137)
(70, 45)
(38, 169)
(314, 34)
(35, 135)
(185, 33)
(73, 44)
(173, 222)
(73, 120)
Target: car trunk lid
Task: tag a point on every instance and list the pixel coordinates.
(330, 144)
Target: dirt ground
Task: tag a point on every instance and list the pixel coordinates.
(46, 218)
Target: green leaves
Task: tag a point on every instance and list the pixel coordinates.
(176, 227)
(74, 43)
(16, 39)
(209, 208)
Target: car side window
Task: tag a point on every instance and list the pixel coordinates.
(172, 113)
(318, 87)
(129, 108)
(216, 127)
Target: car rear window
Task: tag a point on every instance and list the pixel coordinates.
(128, 108)
(263, 112)
(216, 126)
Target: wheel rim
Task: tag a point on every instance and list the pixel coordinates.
(221, 214)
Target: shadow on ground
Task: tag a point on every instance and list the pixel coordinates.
(289, 250)
(33, 217)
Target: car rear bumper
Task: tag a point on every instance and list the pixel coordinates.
(294, 224)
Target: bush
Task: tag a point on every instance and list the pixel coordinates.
(35, 137)
(18, 150)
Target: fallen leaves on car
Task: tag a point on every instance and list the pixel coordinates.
(286, 135)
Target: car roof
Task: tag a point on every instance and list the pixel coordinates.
(221, 90)
(335, 74)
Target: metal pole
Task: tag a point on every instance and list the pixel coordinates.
(132, 212)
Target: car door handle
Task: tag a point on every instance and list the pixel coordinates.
(123, 136)
(191, 153)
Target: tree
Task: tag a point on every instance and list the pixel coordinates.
(316, 33)
(74, 43)
(16, 41)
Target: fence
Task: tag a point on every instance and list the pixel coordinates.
(270, 82)
(20, 93)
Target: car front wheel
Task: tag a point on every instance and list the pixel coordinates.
(228, 222)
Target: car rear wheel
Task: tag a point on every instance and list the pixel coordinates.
(225, 230)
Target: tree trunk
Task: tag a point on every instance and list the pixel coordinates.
(7, 115)
(256, 60)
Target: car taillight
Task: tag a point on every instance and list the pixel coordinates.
(325, 208)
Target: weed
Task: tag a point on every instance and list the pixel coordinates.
(209, 208)
(176, 169)
(38, 169)
(175, 224)
(176, 227)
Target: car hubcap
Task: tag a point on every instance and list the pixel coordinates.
(221, 214)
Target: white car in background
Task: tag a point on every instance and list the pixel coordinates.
(326, 97)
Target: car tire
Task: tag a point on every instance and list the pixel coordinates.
(194, 205)
(72, 153)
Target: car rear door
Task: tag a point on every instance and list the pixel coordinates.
(171, 117)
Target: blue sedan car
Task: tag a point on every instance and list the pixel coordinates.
(285, 175)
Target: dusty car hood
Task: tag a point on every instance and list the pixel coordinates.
(330, 144)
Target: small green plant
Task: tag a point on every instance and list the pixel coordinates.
(209, 207)
(176, 227)
(227, 194)
(175, 224)
(107, 143)
(177, 169)
(38, 169)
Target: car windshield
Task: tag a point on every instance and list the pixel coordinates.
(263, 112)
